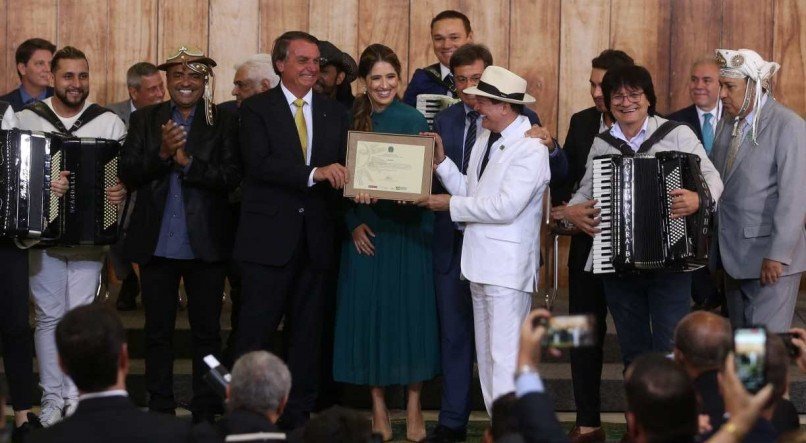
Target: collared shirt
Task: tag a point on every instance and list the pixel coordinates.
(602, 125)
(174, 241)
(307, 113)
(555, 152)
(444, 72)
(752, 114)
(28, 98)
(103, 394)
(716, 113)
(634, 142)
(131, 106)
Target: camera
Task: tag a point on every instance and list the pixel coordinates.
(569, 331)
(219, 377)
(749, 347)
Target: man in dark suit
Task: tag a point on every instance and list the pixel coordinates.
(293, 144)
(93, 352)
(585, 292)
(183, 162)
(450, 30)
(33, 67)
(458, 126)
(702, 116)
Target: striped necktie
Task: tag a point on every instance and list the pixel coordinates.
(470, 139)
(302, 127)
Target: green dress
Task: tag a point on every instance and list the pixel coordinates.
(386, 317)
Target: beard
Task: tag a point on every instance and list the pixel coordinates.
(69, 100)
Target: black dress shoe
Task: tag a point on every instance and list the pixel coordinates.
(20, 433)
(444, 434)
(128, 294)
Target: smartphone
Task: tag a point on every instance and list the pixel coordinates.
(570, 331)
(749, 347)
(218, 377)
(791, 350)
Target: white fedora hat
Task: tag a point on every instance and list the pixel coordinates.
(500, 84)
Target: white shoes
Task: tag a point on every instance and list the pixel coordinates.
(70, 407)
(50, 415)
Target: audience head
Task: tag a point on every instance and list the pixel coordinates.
(295, 56)
(629, 94)
(702, 341)
(92, 348)
(255, 75)
(661, 402)
(500, 96)
(607, 59)
(338, 425)
(703, 85)
(449, 30)
(336, 71)
(260, 383)
(379, 70)
(33, 58)
(504, 419)
(776, 369)
(71, 77)
(145, 84)
(467, 64)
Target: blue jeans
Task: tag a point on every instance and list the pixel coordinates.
(646, 309)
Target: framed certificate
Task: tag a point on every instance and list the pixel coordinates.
(389, 166)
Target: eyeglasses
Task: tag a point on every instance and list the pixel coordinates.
(462, 79)
(632, 96)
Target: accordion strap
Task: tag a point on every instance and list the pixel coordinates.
(43, 110)
(436, 74)
(663, 130)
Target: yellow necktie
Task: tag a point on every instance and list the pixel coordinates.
(302, 128)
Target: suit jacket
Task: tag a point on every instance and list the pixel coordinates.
(113, 420)
(237, 422)
(122, 109)
(214, 171)
(689, 116)
(502, 209)
(537, 420)
(277, 201)
(762, 211)
(14, 97)
(581, 131)
(230, 106)
(450, 124)
(423, 83)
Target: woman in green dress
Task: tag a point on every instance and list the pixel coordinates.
(386, 320)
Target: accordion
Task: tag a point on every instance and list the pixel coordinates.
(430, 104)
(637, 230)
(29, 161)
(88, 217)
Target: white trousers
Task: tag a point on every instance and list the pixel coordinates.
(61, 279)
(498, 313)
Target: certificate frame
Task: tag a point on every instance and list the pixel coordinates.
(421, 165)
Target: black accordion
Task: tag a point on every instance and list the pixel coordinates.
(88, 217)
(637, 230)
(29, 161)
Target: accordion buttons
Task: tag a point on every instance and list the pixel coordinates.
(301, 210)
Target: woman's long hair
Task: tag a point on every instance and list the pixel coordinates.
(362, 107)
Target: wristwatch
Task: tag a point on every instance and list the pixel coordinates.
(525, 369)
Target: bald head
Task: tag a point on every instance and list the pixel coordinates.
(703, 340)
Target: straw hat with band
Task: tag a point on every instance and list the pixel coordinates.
(500, 84)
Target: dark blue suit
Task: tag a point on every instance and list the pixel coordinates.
(423, 82)
(454, 306)
(14, 98)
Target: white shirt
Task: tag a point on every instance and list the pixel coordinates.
(9, 120)
(716, 113)
(634, 142)
(307, 114)
(445, 71)
(107, 125)
(131, 106)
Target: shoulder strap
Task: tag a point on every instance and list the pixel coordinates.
(44, 111)
(662, 131)
(617, 143)
(436, 74)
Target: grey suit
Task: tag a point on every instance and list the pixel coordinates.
(122, 109)
(761, 215)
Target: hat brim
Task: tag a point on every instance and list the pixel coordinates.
(476, 91)
(204, 60)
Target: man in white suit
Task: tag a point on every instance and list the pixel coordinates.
(760, 152)
(500, 203)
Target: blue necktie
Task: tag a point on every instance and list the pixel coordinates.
(470, 139)
(494, 136)
(707, 133)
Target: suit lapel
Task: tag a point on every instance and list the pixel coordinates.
(457, 133)
(476, 155)
(200, 131)
(695, 120)
(747, 143)
(319, 117)
(277, 100)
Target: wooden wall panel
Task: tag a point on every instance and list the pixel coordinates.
(584, 33)
(5, 73)
(490, 20)
(748, 24)
(337, 22)
(182, 23)
(789, 50)
(421, 53)
(641, 28)
(81, 30)
(232, 22)
(535, 53)
(27, 19)
(387, 22)
(133, 25)
(278, 16)
(696, 31)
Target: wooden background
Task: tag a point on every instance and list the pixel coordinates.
(549, 42)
